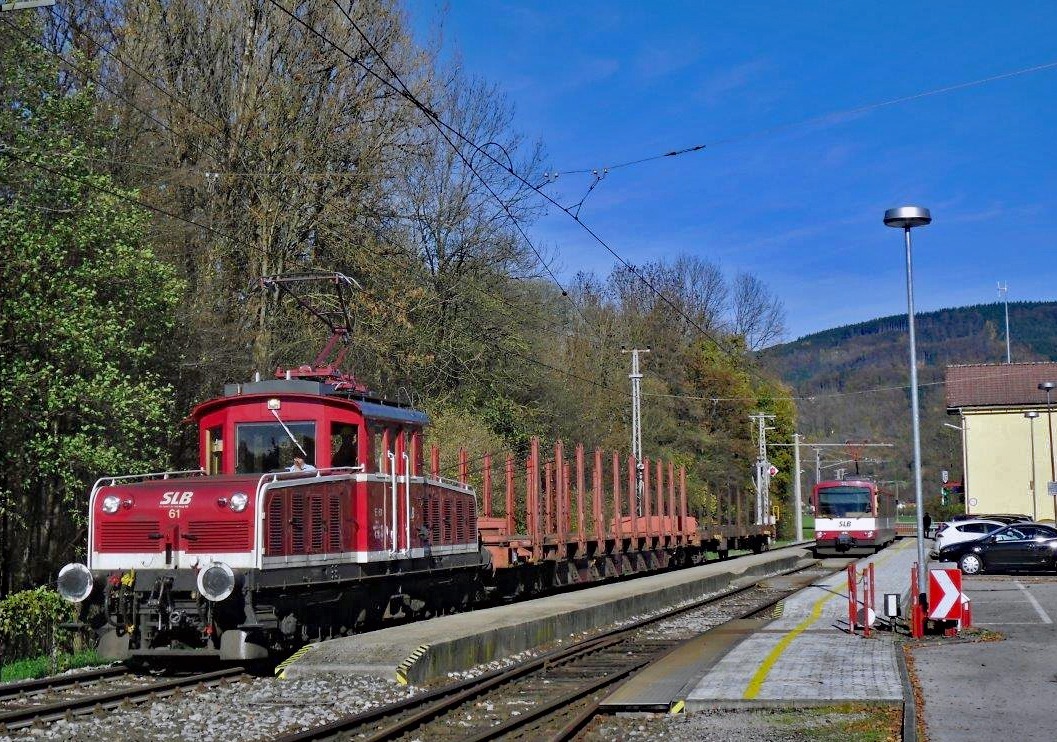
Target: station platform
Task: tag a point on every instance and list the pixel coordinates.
(427, 650)
(804, 657)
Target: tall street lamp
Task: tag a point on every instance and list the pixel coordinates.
(906, 218)
(1048, 386)
(1031, 415)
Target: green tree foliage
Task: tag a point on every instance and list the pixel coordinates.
(30, 621)
(86, 310)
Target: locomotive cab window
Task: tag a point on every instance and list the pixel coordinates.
(378, 448)
(264, 447)
(344, 444)
(214, 450)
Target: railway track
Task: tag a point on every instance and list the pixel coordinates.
(551, 696)
(38, 708)
(18, 692)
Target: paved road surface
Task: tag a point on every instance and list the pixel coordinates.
(1004, 690)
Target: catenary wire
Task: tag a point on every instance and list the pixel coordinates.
(814, 119)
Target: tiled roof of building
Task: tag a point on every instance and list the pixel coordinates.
(998, 385)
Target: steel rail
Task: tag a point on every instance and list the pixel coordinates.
(10, 691)
(53, 711)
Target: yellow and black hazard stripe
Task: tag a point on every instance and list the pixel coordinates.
(405, 667)
(280, 669)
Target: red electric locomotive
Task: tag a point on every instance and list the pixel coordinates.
(253, 552)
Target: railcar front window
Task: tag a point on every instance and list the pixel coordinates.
(264, 447)
(844, 502)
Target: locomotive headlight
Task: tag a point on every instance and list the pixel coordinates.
(216, 582)
(111, 503)
(75, 582)
(239, 501)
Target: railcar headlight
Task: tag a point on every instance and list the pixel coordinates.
(75, 582)
(111, 503)
(239, 500)
(216, 582)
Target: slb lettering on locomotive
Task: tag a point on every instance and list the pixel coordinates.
(178, 499)
(844, 524)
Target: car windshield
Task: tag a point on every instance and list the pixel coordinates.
(843, 502)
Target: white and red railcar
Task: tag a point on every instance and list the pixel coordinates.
(852, 516)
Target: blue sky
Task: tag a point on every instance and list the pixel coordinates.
(801, 206)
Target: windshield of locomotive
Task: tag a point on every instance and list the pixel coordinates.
(266, 447)
(843, 502)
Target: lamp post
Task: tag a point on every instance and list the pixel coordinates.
(1031, 415)
(1048, 386)
(906, 218)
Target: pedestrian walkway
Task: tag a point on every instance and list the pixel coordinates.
(807, 656)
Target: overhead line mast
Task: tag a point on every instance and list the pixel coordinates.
(636, 422)
(762, 480)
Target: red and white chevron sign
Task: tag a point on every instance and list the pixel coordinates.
(945, 594)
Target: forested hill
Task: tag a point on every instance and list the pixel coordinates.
(853, 379)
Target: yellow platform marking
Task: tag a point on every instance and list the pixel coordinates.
(280, 669)
(778, 610)
(677, 707)
(404, 667)
(752, 690)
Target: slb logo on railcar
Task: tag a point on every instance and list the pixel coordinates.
(176, 498)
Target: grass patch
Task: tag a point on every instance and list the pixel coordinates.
(846, 722)
(39, 667)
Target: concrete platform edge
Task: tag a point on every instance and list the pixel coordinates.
(433, 661)
(465, 652)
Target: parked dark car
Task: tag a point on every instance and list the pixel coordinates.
(1017, 547)
(1002, 517)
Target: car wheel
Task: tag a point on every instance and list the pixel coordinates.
(971, 564)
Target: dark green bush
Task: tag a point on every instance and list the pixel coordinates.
(29, 623)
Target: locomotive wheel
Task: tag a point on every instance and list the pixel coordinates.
(971, 564)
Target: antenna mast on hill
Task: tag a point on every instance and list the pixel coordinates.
(1002, 290)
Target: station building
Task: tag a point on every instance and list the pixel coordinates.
(1006, 436)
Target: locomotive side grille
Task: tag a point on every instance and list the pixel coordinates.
(315, 509)
(217, 536)
(436, 535)
(445, 520)
(119, 536)
(297, 523)
(275, 525)
(460, 520)
(334, 514)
